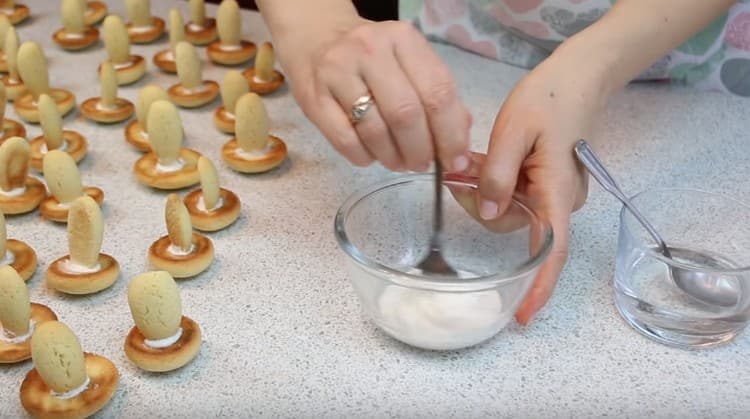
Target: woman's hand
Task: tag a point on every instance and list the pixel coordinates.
(417, 108)
(531, 152)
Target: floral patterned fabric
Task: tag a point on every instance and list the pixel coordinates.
(524, 32)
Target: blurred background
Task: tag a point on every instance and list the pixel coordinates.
(370, 9)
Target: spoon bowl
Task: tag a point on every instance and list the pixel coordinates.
(724, 292)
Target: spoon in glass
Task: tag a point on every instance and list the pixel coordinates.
(702, 286)
(435, 263)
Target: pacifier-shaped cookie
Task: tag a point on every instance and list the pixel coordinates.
(181, 252)
(168, 165)
(18, 317)
(143, 28)
(54, 137)
(14, 86)
(230, 49)
(84, 270)
(75, 34)
(162, 339)
(253, 149)
(129, 67)
(19, 192)
(263, 78)
(108, 108)
(233, 86)
(191, 91)
(32, 67)
(211, 207)
(200, 30)
(136, 132)
(64, 182)
(65, 381)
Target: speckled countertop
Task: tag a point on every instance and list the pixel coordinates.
(283, 332)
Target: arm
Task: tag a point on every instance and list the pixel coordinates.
(636, 33)
(561, 101)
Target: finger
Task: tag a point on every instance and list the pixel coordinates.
(510, 144)
(371, 128)
(548, 274)
(401, 108)
(335, 125)
(448, 119)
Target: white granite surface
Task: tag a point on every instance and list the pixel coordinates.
(283, 333)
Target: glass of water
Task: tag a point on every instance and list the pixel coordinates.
(709, 237)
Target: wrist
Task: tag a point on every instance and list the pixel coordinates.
(591, 57)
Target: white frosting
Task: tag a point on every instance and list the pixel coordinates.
(201, 205)
(441, 320)
(169, 55)
(63, 205)
(9, 337)
(141, 29)
(259, 80)
(177, 251)
(200, 88)
(127, 64)
(195, 27)
(254, 154)
(164, 343)
(173, 167)
(44, 149)
(70, 267)
(101, 107)
(73, 35)
(225, 47)
(8, 258)
(13, 192)
(72, 393)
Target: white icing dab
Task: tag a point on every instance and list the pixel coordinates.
(178, 251)
(44, 149)
(254, 154)
(73, 35)
(173, 167)
(8, 258)
(9, 337)
(259, 80)
(168, 55)
(141, 29)
(100, 106)
(63, 205)
(68, 266)
(125, 64)
(164, 343)
(198, 89)
(225, 47)
(13, 192)
(201, 205)
(195, 27)
(72, 393)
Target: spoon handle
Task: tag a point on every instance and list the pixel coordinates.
(437, 222)
(589, 159)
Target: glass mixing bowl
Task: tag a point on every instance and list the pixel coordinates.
(385, 231)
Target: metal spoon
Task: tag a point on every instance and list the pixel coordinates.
(703, 286)
(435, 263)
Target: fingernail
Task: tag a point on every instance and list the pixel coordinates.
(461, 163)
(487, 209)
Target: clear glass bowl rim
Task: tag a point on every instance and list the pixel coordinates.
(651, 252)
(419, 281)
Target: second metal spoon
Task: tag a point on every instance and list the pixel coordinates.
(699, 285)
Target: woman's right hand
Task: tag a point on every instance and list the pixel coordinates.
(333, 61)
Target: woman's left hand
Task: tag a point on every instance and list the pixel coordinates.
(531, 153)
